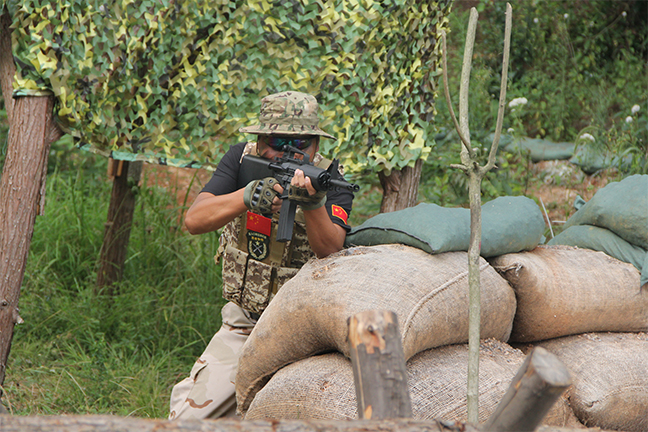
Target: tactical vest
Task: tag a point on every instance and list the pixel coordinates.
(255, 265)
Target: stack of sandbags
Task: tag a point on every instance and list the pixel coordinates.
(614, 221)
(428, 293)
(563, 291)
(322, 387)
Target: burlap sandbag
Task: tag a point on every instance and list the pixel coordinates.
(563, 290)
(428, 293)
(610, 378)
(321, 387)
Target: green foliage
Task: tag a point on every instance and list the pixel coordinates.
(163, 80)
(81, 352)
(580, 65)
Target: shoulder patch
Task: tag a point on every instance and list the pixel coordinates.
(339, 212)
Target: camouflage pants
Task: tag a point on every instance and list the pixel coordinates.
(208, 391)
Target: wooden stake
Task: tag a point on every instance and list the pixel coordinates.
(378, 364)
(536, 387)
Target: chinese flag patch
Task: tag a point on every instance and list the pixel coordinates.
(339, 212)
(258, 223)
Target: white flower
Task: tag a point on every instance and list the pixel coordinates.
(566, 16)
(629, 119)
(624, 14)
(510, 130)
(635, 109)
(518, 101)
(536, 20)
(587, 137)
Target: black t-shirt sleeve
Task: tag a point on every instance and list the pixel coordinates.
(225, 177)
(225, 180)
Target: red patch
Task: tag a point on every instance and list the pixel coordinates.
(339, 212)
(258, 223)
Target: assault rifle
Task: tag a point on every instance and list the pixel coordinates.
(283, 169)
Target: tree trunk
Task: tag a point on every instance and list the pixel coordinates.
(31, 132)
(400, 188)
(379, 371)
(118, 224)
(106, 423)
(20, 194)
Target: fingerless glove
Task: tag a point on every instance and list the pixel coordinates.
(258, 195)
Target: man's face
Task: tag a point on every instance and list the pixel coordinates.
(271, 146)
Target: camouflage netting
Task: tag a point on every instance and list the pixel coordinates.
(171, 82)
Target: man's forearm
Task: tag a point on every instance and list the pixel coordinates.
(324, 236)
(211, 212)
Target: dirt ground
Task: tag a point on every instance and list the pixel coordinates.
(556, 184)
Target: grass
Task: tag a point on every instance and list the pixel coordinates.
(79, 352)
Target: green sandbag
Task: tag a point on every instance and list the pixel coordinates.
(509, 224)
(538, 149)
(621, 207)
(603, 240)
(591, 160)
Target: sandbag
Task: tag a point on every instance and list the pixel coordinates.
(610, 378)
(604, 240)
(509, 224)
(621, 207)
(539, 149)
(322, 387)
(562, 290)
(428, 293)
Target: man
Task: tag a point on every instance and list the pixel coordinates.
(255, 265)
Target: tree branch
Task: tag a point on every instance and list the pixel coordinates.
(466, 67)
(502, 99)
(447, 95)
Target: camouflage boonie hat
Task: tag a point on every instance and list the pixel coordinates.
(287, 113)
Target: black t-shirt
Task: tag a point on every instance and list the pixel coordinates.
(225, 179)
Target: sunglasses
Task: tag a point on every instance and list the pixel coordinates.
(277, 142)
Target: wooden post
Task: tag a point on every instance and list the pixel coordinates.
(378, 362)
(536, 387)
(118, 224)
(107, 423)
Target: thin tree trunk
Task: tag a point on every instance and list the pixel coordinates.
(400, 188)
(474, 249)
(118, 226)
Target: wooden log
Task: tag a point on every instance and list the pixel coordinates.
(534, 389)
(379, 370)
(106, 423)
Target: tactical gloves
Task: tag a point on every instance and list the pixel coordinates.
(258, 195)
(306, 201)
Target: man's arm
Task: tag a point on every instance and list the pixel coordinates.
(324, 236)
(211, 212)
